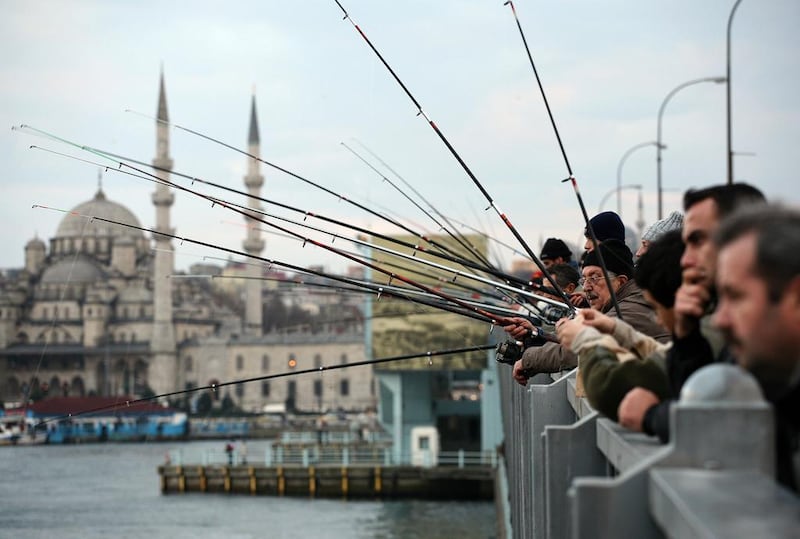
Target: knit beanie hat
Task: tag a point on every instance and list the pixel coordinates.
(616, 255)
(554, 248)
(606, 226)
(674, 221)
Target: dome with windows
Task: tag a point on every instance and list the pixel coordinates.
(75, 226)
(77, 270)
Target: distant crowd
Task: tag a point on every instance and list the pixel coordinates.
(719, 282)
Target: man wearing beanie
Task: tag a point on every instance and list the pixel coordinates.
(555, 251)
(674, 221)
(636, 311)
(606, 226)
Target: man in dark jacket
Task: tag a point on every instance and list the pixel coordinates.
(694, 343)
(758, 279)
(552, 357)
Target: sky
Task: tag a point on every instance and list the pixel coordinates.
(77, 69)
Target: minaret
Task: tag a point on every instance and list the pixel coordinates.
(163, 372)
(253, 244)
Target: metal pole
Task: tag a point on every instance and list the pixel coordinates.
(619, 171)
(617, 190)
(728, 76)
(659, 146)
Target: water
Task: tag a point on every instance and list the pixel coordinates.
(112, 490)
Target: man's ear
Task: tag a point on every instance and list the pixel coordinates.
(790, 301)
(622, 279)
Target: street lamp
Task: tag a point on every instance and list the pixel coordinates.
(619, 170)
(659, 146)
(728, 75)
(616, 190)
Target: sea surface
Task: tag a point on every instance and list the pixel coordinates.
(111, 490)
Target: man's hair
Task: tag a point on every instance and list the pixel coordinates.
(659, 270)
(728, 197)
(777, 231)
(564, 274)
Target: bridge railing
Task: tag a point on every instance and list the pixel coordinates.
(574, 473)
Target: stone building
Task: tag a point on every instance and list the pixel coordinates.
(95, 312)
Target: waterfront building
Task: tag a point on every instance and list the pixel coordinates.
(94, 312)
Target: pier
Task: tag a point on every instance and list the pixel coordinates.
(334, 472)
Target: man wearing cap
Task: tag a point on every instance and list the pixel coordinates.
(674, 221)
(555, 251)
(606, 226)
(552, 357)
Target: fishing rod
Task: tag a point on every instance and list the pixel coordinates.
(407, 269)
(417, 193)
(339, 196)
(306, 213)
(455, 272)
(478, 313)
(464, 166)
(214, 387)
(571, 178)
(248, 210)
(453, 281)
(472, 251)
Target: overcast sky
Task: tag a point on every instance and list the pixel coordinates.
(73, 68)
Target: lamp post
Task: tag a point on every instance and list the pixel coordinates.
(659, 146)
(619, 170)
(616, 190)
(728, 76)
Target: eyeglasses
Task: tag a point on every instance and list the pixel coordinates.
(594, 279)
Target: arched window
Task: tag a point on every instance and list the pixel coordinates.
(189, 365)
(317, 361)
(265, 363)
(239, 364)
(343, 359)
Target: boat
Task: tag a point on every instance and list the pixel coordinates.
(61, 420)
(16, 429)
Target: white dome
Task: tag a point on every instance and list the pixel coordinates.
(72, 226)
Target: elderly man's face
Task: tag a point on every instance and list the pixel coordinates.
(764, 335)
(595, 287)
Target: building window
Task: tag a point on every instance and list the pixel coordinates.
(239, 363)
(265, 389)
(292, 361)
(343, 360)
(317, 388)
(189, 365)
(344, 387)
(239, 390)
(265, 363)
(317, 361)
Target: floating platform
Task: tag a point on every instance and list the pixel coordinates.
(333, 481)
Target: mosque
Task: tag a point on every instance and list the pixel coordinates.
(94, 312)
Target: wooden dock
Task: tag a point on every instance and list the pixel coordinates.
(333, 481)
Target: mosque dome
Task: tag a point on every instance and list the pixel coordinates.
(72, 226)
(73, 270)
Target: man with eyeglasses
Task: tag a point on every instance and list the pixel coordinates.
(551, 357)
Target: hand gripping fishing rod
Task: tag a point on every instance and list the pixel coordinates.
(458, 158)
(571, 177)
(213, 387)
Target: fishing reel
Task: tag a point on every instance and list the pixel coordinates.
(509, 352)
(553, 313)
